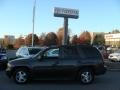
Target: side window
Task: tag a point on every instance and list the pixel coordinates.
(81, 53)
(69, 52)
(91, 52)
(52, 53)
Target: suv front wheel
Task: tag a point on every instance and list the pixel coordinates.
(86, 76)
(21, 76)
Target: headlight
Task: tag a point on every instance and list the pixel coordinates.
(9, 65)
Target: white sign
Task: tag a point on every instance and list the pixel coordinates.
(65, 12)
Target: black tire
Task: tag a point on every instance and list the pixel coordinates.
(21, 76)
(86, 76)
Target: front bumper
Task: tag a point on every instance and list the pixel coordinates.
(8, 73)
(9, 70)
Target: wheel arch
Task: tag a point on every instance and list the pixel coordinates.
(87, 67)
(84, 68)
(20, 67)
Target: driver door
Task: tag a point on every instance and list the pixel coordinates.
(45, 67)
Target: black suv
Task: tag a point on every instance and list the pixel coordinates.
(80, 62)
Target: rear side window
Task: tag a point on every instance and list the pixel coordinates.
(90, 52)
(69, 52)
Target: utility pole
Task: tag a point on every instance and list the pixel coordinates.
(34, 7)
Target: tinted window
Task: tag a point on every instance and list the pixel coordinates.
(91, 52)
(33, 50)
(80, 51)
(52, 53)
(55, 51)
(69, 52)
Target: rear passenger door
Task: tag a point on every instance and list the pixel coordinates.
(67, 64)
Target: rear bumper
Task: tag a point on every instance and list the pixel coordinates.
(101, 70)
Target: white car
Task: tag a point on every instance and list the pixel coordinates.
(114, 56)
(27, 51)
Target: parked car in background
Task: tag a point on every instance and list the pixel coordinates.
(82, 62)
(27, 51)
(114, 56)
(3, 58)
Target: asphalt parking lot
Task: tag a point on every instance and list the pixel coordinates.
(109, 81)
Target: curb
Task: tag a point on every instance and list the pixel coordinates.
(112, 66)
(112, 69)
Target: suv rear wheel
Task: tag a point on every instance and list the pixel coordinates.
(21, 76)
(86, 76)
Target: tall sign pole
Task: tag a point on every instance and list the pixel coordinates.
(34, 7)
(66, 13)
(65, 38)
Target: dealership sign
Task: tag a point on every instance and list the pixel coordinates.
(65, 12)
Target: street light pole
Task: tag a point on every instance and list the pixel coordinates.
(34, 7)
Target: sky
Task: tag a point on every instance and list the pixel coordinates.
(94, 16)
